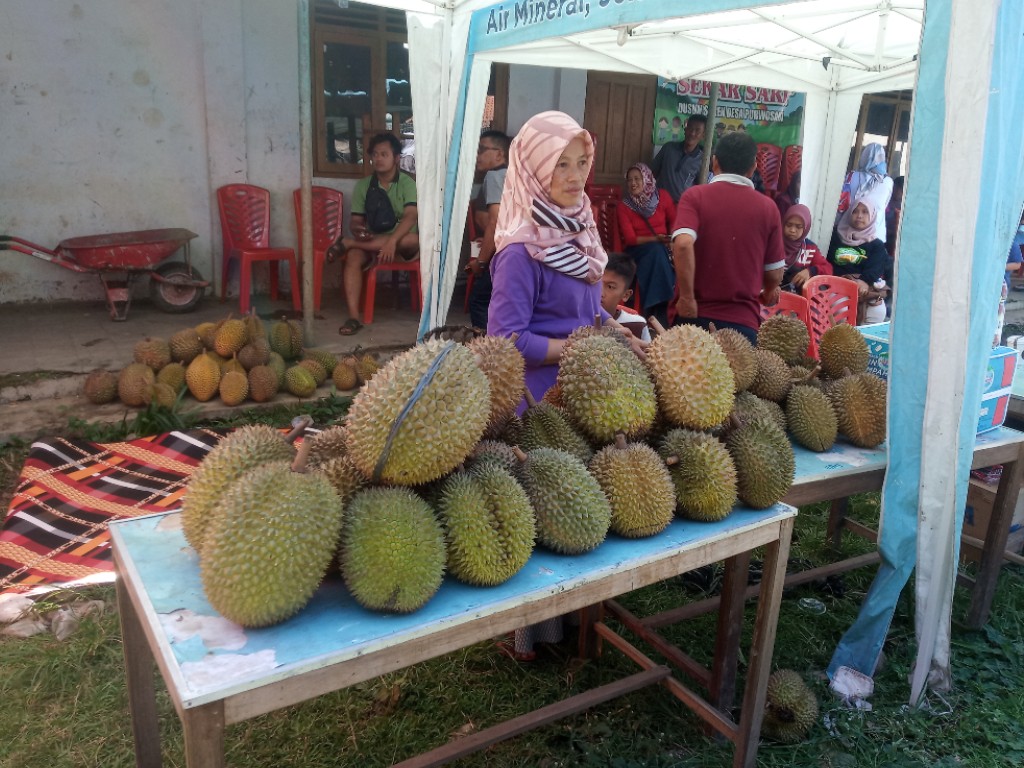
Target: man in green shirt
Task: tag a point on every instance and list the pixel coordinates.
(399, 241)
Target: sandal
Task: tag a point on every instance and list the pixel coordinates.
(335, 252)
(350, 327)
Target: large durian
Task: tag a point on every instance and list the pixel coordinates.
(272, 541)
(785, 335)
(842, 349)
(703, 473)
(185, 345)
(638, 487)
(546, 426)
(606, 389)
(151, 351)
(772, 380)
(790, 708)
(420, 415)
(810, 418)
(135, 384)
(573, 514)
(740, 353)
(764, 461)
(392, 550)
(203, 377)
(860, 405)
(489, 525)
(234, 455)
(505, 368)
(693, 377)
(101, 386)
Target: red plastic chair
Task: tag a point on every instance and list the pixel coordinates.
(328, 209)
(412, 267)
(792, 304)
(769, 163)
(606, 216)
(604, 192)
(792, 160)
(245, 228)
(830, 300)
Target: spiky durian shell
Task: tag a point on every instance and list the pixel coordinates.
(694, 380)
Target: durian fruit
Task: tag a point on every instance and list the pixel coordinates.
(573, 514)
(100, 386)
(327, 360)
(231, 365)
(606, 389)
(286, 339)
(279, 367)
(512, 431)
(263, 383)
(843, 348)
(771, 381)
(693, 377)
(785, 335)
(740, 353)
(331, 443)
(489, 525)
(554, 396)
(255, 352)
(153, 352)
(344, 375)
(218, 359)
(230, 338)
(392, 550)
(764, 461)
(597, 328)
(185, 345)
(505, 369)
(638, 487)
(493, 452)
(234, 388)
(206, 333)
(173, 375)
(163, 395)
(546, 426)
(343, 475)
(703, 473)
(135, 384)
(420, 415)
(810, 418)
(748, 406)
(268, 549)
(790, 708)
(367, 366)
(203, 378)
(299, 381)
(314, 367)
(227, 461)
(860, 405)
(254, 328)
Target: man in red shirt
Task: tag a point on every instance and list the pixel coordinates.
(727, 244)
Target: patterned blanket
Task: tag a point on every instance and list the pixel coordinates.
(69, 490)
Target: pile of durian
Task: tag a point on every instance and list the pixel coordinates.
(433, 471)
(235, 360)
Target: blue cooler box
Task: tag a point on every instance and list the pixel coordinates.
(995, 398)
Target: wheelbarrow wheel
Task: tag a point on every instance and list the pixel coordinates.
(173, 296)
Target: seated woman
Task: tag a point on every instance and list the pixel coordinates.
(857, 253)
(645, 223)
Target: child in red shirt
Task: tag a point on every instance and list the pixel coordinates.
(804, 259)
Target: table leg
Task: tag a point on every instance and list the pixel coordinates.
(139, 672)
(836, 518)
(722, 691)
(589, 640)
(762, 646)
(995, 542)
(204, 736)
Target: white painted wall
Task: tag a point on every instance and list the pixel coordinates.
(117, 115)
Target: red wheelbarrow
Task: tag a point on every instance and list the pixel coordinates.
(120, 257)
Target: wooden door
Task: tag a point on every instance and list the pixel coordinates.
(620, 112)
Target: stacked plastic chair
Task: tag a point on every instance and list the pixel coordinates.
(830, 300)
(328, 215)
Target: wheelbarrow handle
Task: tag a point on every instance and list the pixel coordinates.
(11, 243)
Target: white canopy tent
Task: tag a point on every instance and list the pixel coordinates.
(961, 202)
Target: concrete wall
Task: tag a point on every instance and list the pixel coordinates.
(117, 116)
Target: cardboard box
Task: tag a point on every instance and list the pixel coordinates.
(980, 498)
(995, 399)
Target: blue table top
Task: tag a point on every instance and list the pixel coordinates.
(209, 657)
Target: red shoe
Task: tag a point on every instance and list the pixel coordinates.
(507, 647)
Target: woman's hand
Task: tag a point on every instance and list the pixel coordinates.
(862, 287)
(800, 278)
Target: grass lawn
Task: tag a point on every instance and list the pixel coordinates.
(64, 704)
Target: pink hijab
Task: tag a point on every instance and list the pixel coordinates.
(527, 215)
(794, 247)
(851, 236)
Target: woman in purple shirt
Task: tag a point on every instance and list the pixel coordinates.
(549, 260)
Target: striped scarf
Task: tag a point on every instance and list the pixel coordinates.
(565, 257)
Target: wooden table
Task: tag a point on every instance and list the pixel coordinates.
(845, 470)
(218, 674)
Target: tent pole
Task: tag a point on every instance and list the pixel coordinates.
(306, 172)
(709, 134)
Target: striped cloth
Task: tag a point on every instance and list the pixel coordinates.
(55, 530)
